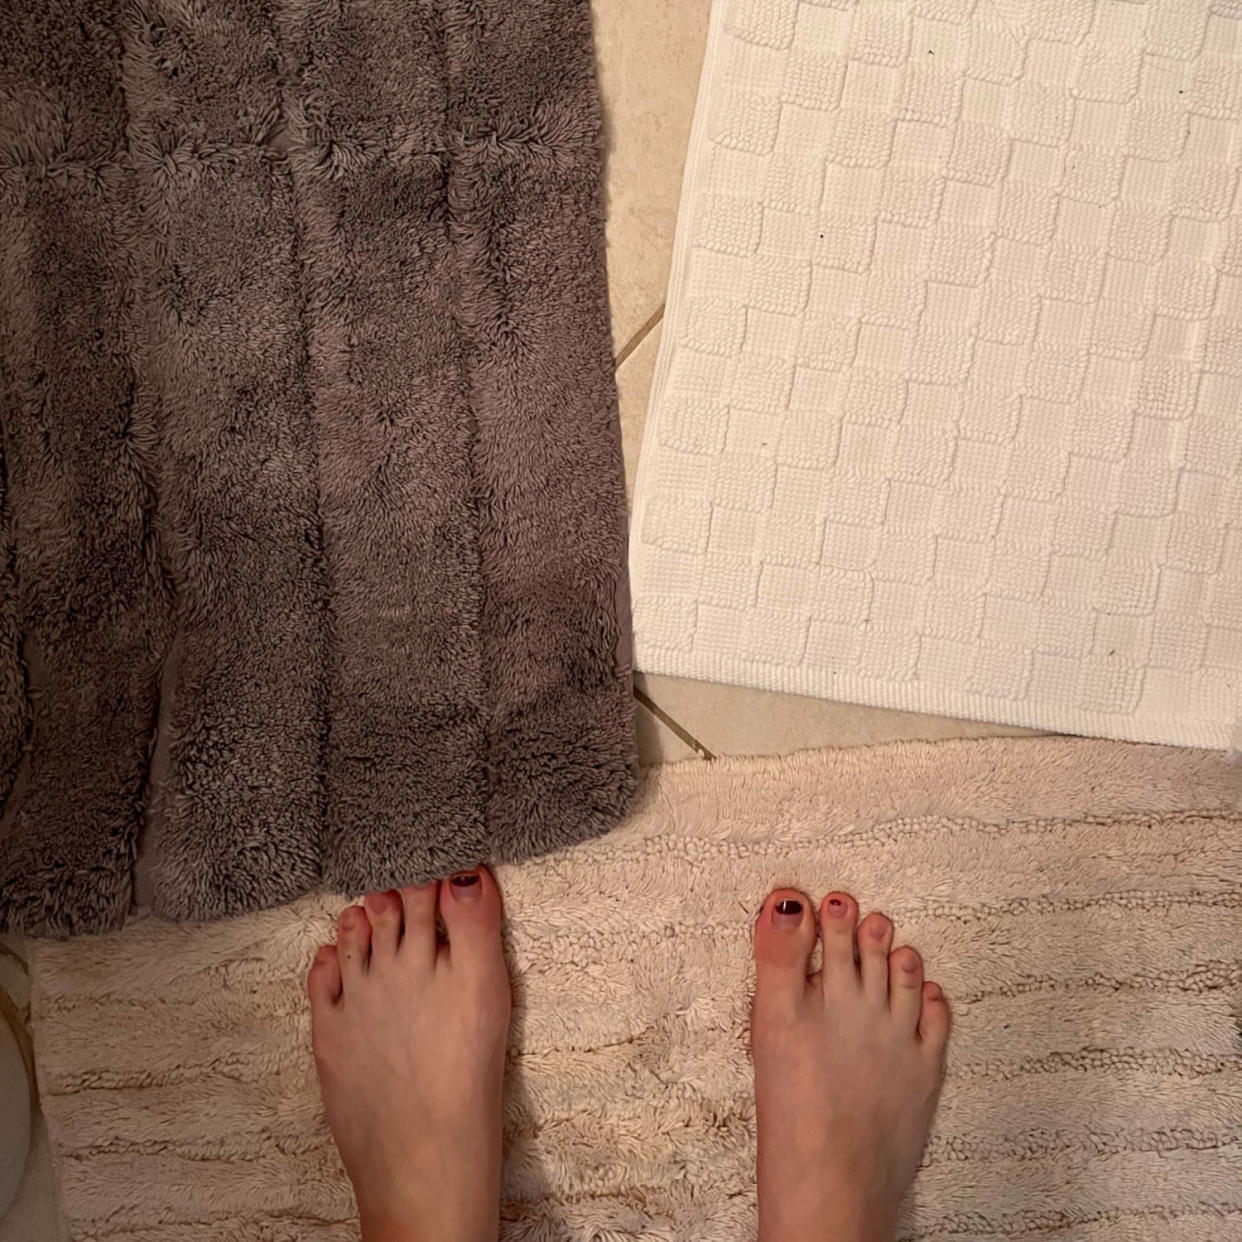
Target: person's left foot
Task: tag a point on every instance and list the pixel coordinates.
(409, 1034)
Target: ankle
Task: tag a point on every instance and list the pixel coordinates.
(858, 1223)
(385, 1230)
(381, 1228)
(844, 1218)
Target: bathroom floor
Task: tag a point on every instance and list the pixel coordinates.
(649, 56)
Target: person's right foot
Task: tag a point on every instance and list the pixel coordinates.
(409, 1033)
(848, 1065)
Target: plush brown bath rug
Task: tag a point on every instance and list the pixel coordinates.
(1080, 901)
(313, 518)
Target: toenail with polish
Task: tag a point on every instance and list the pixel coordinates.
(465, 886)
(836, 907)
(787, 913)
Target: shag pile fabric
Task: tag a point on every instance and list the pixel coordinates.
(314, 525)
(945, 416)
(1080, 901)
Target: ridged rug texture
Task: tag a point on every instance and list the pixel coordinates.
(1081, 902)
(945, 416)
(313, 525)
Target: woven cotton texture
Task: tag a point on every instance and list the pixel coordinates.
(1079, 900)
(945, 416)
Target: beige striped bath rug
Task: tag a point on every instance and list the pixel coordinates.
(1081, 901)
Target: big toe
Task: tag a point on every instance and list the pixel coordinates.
(470, 908)
(784, 939)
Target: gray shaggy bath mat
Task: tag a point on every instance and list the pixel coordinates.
(313, 540)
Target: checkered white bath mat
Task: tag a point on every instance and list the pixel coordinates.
(948, 409)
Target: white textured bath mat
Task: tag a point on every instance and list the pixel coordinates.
(1081, 902)
(948, 409)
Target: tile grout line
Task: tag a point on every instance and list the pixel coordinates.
(665, 719)
(654, 708)
(639, 337)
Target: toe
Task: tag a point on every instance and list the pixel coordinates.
(875, 938)
(905, 987)
(838, 914)
(471, 910)
(323, 982)
(418, 933)
(934, 1021)
(384, 915)
(784, 939)
(353, 944)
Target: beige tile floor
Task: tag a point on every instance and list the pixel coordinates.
(649, 56)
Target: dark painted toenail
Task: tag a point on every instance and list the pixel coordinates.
(789, 906)
(465, 878)
(836, 907)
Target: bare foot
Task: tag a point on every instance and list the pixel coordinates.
(409, 1036)
(848, 1064)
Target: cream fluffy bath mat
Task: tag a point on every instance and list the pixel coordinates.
(1081, 902)
(945, 416)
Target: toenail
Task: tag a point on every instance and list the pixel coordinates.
(909, 965)
(465, 885)
(349, 916)
(878, 930)
(934, 992)
(376, 901)
(787, 913)
(836, 907)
